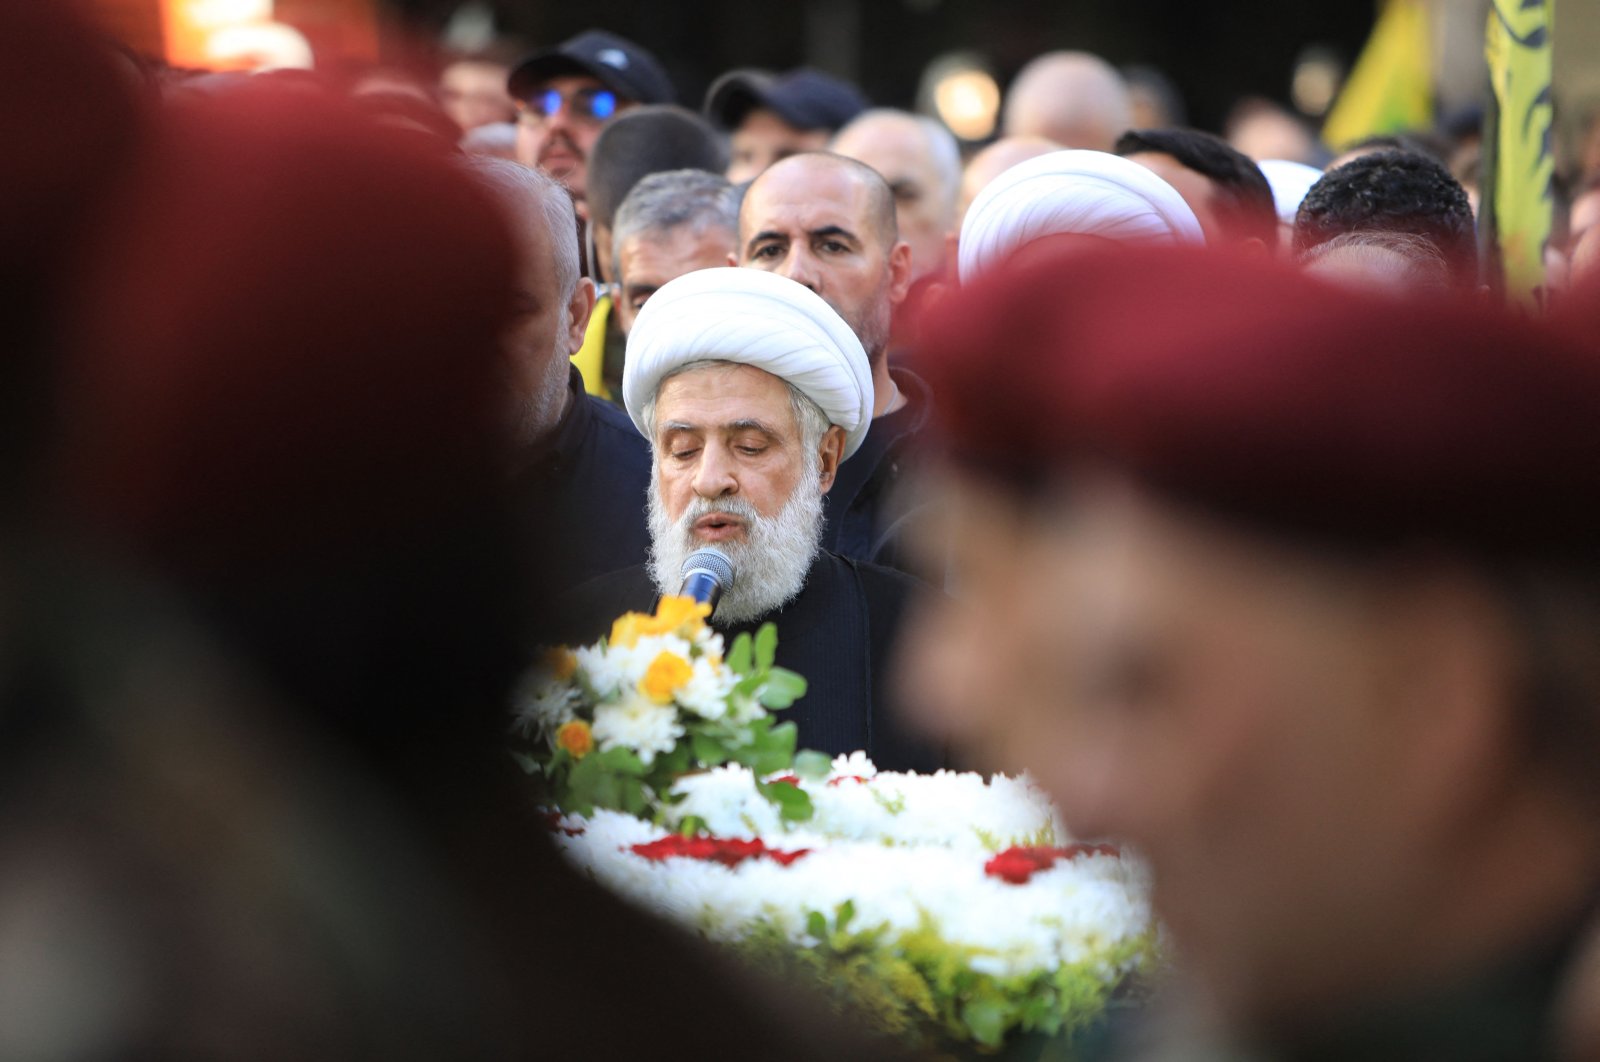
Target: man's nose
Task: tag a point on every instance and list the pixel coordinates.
(714, 477)
(801, 267)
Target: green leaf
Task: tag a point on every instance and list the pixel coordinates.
(738, 659)
(782, 688)
(621, 760)
(528, 764)
(792, 802)
(592, 785)
(766, 646)
(709, 751)
(817, 925)
(691, 825)
(986, 1018)
(812, 765)
(845, 912)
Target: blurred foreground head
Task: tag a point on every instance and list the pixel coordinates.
(287, 389)
(1292, 587)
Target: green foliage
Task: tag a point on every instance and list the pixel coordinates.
(922, 989)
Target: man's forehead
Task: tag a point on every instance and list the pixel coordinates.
(810, 196)
(719, 391)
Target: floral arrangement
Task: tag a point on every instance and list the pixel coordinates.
(946, 908)
(615, 724)
(941, 906)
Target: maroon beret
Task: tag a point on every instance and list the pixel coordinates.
(1245, 387)
(290, 334)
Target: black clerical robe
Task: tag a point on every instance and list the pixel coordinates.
(837, 632)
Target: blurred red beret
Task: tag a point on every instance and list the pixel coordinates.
(1242, 386)
(290, 337)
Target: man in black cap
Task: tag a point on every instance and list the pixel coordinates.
(566, 94)
(771, 116)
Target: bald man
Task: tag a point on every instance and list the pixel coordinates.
(921, 162)
(828, 222)
(1074, 98)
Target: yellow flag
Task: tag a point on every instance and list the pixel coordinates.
(1391, 87)
(1517, 196)
(590, 358)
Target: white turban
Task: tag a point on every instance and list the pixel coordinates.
(755, 318)
(1290, 182)
(1075, 192)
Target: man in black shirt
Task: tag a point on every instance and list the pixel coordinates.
(580, 467)
(828, 222)
(752, 392)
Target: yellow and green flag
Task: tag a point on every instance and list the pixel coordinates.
(1390, 88)
(1519, 164)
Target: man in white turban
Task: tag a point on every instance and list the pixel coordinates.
(1073, 192)
(751, 391)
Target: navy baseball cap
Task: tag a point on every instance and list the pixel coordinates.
(805, 98)
(617, 63)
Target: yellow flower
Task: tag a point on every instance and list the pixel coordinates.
(665, 675)
(576, 738)
(627, 628)
(559, 663)
(681, 615)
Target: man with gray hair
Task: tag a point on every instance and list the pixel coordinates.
(921, 162)
(671, 223)
(752, 391)
(580, 467)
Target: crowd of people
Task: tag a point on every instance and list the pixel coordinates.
(1220, 491)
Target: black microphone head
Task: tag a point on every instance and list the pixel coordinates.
(711, 560)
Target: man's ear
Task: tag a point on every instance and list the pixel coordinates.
(1254, 247)
(733, 258)
(832, 452)
(899, 272)
(578, 311)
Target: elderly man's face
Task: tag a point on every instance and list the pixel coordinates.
(924, 203)
(1259, 722)
(559, 143)
(726, 431)
(762, 139)
(811, 220)
(546, 330)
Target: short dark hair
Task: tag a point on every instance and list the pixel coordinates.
(1392, 191)
(646, 140)
(1244, 198)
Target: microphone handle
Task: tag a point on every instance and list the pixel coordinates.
(702, 586)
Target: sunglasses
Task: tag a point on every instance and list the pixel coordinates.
(586, 104)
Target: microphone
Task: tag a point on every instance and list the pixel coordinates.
(707, 572)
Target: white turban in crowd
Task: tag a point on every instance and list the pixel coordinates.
(755, 318)
(1290, 182)
(1074, 192)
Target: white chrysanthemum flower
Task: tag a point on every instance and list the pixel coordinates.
(706, 693)
(600, 669)
(727, 800)
(636, 659)
(636, 722)
(855, 765)
(543, 704)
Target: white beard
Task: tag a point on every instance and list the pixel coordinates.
(769, 563)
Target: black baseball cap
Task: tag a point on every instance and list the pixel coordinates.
(618, 64)
(805, 98)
